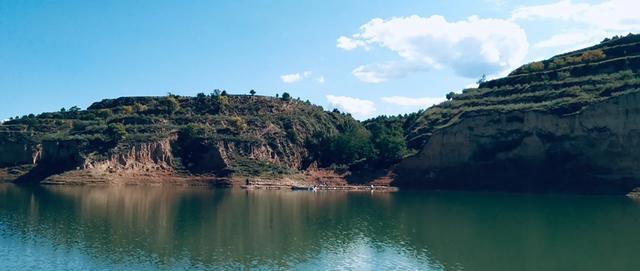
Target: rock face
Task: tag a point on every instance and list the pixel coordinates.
(141, 157)
(13, 153)
(78, 162)
(538, 130)
(595, 150)
(217, 155)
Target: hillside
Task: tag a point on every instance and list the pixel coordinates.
(568, 123)
(215, 135)
(561, 85)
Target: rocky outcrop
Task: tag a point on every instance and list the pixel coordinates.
(592, 151)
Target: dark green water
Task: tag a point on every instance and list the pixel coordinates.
(148, 228)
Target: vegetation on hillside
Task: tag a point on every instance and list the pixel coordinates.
(562, 85)
(332, 138)
(377, 143)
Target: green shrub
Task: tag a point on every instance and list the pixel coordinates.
(116, 132)
(592, 55)
(562, 75)
(221, 102)
(171, 105)
(140, 108)
(193, 130)
(238, 124)
(104, 113)
(535, 66)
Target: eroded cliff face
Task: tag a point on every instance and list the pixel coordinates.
(170, 158)
(278, 151)
(144, 156)
(594, 151)
(223, 157)
(14, 153)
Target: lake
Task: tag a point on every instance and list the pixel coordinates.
(176, 228)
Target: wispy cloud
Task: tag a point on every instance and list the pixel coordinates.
(360, 108)
(385, 71)
(413, 102)
(291, 78)
(595, 21)
(299, 76)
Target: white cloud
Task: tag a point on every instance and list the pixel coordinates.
(498, 3)
(471, 85)
(470, 47)
(564, 10)
(408, 101)
(348, 44)
(491, 46)
(385, 71)
(595, 21)
(291, 78)
(295, 77)
(565, 39)
(358, 107)
(320, 80)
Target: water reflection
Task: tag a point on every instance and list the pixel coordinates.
(169, 227)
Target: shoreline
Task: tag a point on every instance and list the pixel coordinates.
(307, 181)
(314, 188)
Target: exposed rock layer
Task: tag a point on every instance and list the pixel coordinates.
(595, 150)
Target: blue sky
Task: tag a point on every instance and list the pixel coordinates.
(364, 57)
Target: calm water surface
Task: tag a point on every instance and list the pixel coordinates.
(150, 228)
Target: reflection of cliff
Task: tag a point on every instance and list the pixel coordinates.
(233, 228)
(211, 227)
(516, 232)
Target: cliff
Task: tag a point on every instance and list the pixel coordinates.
(568, 124)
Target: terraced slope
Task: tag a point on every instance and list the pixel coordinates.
(570, 123)
(562, 85)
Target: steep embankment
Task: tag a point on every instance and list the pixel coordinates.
(208, 138)
(570, 123)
